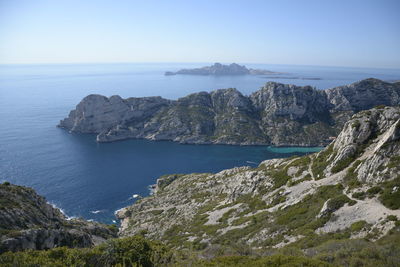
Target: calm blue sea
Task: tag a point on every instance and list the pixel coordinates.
(93, 180)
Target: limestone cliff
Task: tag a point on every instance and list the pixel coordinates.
(277, 114)
(27, 221)
(351, 189)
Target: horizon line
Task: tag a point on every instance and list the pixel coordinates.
(190, 62)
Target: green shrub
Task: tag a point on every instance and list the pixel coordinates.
(302, 216)
(273, 261)
(390, 197)
(359, 195)
(113, 228)
(280, 177)
(295, 182)
(351, 176)
(320, 162)
(374, 190)
(358, 226)
(392, 218)
(342, 164)
(129, 251)
(394, 162)
(338, 202)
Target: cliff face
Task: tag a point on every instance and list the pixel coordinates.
(27, 221)
(348, 190)
(363, 95)
(95, 113)
(277, 114)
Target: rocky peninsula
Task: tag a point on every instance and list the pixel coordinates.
(277, 114)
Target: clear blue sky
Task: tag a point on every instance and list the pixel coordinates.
(361, 33)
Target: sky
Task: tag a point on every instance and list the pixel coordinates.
(358, 33)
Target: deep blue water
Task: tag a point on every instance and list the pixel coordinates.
(79, 175)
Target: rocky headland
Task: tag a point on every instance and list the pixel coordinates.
(27, 221)
(277, 114)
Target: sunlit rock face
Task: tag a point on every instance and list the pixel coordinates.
(277, 114)
(354, 181)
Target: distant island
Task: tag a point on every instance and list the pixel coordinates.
(293, 78)
(220, 69)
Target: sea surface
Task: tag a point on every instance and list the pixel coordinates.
(91, 180)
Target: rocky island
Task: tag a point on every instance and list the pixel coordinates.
(220, 69)
(277, 114)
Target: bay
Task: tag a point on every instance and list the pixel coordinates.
(92, 180)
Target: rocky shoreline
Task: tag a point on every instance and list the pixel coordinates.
(28, 221)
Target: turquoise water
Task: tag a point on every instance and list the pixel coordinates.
(93, 180)
(286, 150)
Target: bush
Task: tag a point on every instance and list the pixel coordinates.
(275, 260)
(338, 202)
(390, 197)
(342, 164)
(320, 162)
(129, 251)
(392, 218)
(359, 195)
(358, 226)
(374, 190)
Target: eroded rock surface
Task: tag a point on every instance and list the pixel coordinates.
(351, 188)
(27, 221)
(277, 114)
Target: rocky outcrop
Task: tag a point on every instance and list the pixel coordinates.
(220, 69)
(277, 114)
(380, 126)
(27, 221)
(96, 113)
(351, 189)
(364, 95)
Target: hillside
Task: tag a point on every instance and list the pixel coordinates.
(277, 114)
(350, 190)
(27, 221)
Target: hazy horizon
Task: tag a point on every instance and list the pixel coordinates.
(200, 64)
(361, 34)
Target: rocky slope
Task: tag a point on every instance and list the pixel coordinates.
(349, 190)
(220, 69)
(277, 114)
(27, 221)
